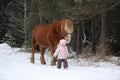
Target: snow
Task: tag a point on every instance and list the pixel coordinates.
(15, 65)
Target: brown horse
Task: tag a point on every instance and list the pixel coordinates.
(49, 35)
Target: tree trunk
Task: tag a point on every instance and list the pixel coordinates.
(35, 12)
(39, 11)
(74, 40)
(25, 24)
(79, 39)
(93, 36)
(103, 30)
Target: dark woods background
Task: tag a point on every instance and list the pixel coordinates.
(97, 22)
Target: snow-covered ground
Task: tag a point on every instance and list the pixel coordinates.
(15, 65)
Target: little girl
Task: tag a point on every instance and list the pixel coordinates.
(62, 53)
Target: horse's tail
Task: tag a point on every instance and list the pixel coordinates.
(33, 45)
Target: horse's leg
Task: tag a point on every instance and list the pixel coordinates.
(52, 50)
(33, 51)
(42, 52)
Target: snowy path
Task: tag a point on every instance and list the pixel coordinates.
(16, 66)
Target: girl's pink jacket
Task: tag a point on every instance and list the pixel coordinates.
(61, 52)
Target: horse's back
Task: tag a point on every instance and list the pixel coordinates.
(39, 34)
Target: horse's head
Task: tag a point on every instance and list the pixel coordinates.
(66, 29)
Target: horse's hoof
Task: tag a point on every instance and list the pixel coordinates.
(32, 61)
(43, 63)
(53, 64)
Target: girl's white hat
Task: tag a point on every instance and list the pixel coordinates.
(62, 42)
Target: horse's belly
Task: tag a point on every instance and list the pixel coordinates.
(41, 43)
(42, 40)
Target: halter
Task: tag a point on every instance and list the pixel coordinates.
(69, 33)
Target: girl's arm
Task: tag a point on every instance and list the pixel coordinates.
(56, 52)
